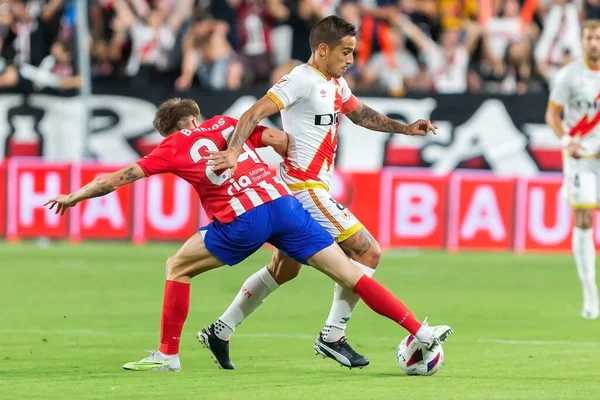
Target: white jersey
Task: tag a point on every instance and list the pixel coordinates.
(577, 89)
(311, 107)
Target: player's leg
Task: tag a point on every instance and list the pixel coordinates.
(360, 247)
(192, 259)
(254, 291)
(243, 236)
(581, 188)
(364, 252)
(304, 240)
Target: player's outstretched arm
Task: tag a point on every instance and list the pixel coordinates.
(368, 118)
(99, 187)
(263, 108)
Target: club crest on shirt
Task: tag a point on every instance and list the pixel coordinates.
(347, 214)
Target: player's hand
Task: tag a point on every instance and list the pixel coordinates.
(574, 149)
(420, 127)
(62, 202)
(226, 159)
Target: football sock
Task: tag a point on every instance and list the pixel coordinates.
(584, 253)
(344, 303)
(176, 304)
(254, 291)
(383, 302)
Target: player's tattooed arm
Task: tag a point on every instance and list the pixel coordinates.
(227, 159)
(242, 132)
(98, 187)
(368, 118)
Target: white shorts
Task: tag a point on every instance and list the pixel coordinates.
(330, 214)
(581, 182)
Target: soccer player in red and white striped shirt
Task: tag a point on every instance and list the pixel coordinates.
(249, 208)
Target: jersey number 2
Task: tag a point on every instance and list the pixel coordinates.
(195, 153)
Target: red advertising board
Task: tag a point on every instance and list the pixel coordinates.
(359, 192)
(544, 220)
(30, 184)
(412, 210)
(481, 212)
(401, 207)
(106, 217)
(166, 208)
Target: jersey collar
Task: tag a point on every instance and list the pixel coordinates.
(318, 72)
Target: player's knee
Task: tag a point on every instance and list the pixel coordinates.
(173, 268)
(371, 257)
(584, 219)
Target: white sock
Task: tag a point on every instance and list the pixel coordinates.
(254, 291)
(584, 252)
(344, 303)
(424, 334)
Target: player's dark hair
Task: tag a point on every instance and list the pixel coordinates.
(174, 115)
(330, 30)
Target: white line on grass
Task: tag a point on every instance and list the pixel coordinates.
(91, 332)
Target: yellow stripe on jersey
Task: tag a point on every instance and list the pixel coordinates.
(349, 232)
(297, 187)
(276, 100)
(567, 155)
(555, 103)
(325, 212)
(319, 72)
(588, 206)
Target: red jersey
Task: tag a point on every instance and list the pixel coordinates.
(185, 153)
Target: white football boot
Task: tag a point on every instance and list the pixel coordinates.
(156, 361)
(437, 335)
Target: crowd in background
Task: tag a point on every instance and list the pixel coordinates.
(444, 46)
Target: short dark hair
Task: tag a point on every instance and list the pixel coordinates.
(330, 30)
(174, 114)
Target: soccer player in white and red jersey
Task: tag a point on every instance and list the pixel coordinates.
(312, 99)
(249, 208)
(576, 96)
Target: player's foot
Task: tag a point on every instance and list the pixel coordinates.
(219, 348)
(341, 352)
(437, 335)
(590, 313)
(156, 361)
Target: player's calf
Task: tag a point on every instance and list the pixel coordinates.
(282, 268)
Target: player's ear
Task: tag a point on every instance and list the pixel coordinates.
(322, 49)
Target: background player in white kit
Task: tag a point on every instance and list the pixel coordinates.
(576, 95)
(312, 99)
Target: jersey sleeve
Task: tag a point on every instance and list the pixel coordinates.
(349, 101)
(161, 160)
(560, 88)
(290, 89)
(256, 136)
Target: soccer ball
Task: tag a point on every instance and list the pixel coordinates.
(415, 360)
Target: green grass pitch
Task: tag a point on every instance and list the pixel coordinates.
(70, 316)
